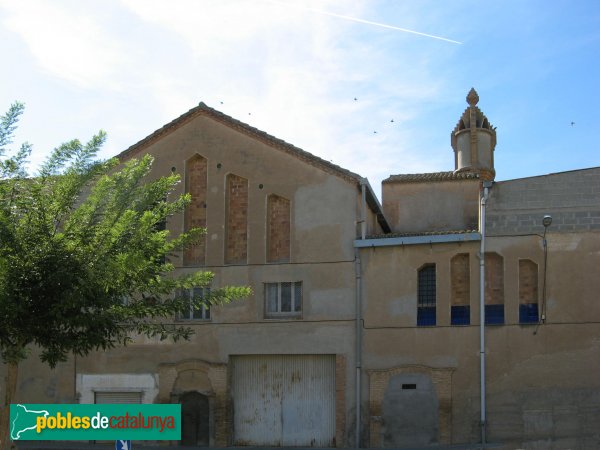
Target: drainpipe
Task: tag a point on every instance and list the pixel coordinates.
(358, 358)
(363, 210)
(484, 198)
(358, 331)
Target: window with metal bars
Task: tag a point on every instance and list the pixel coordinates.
(426, 296)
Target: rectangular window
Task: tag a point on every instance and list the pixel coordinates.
(193, 313)
(283, 299)
(426, 296)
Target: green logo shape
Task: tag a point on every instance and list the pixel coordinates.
(69, 422)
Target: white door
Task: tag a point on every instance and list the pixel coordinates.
(284, 400)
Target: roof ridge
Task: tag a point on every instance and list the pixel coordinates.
(266, 138)
(421, 233)
(247, 129)
(430, 176)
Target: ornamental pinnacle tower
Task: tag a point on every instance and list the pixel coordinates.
(473, 140)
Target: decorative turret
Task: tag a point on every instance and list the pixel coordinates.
(474, 140)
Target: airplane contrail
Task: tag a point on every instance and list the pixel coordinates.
(368, 22)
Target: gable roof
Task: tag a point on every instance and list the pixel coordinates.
(203, 110)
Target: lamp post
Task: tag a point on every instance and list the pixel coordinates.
(546, 221)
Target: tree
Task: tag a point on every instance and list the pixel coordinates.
(84, 260)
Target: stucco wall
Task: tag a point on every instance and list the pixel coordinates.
(542, 380)
(432, 205)
(324, 209)
(323, 205)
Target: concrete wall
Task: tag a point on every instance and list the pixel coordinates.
(572, 198)
(431, 206)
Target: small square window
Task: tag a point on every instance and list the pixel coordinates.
(494, 314)
(460, 315)
(528, 313)
(283, 299)
(426, 316)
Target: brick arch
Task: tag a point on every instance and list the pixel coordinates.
(278, 228)
(441, 379)
(196, 182)
(210, 379)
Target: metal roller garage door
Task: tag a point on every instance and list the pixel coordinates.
(118, 397)
(284, 400)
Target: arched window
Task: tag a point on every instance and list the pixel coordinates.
(426, 296)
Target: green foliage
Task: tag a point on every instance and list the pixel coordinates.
(83, 255)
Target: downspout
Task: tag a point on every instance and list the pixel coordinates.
(484, 198)
(358, 331)
(363, 210)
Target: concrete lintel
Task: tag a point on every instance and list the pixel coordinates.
(417, 240)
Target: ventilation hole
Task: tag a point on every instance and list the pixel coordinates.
(409, 386)
(219, 166)
(173, 169)
(260, 186)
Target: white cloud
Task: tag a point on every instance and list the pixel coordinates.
(296, 71)
(67, 44)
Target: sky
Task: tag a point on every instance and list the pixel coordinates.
(375, 86)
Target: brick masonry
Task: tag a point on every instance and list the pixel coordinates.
(494, 279)
(340, 400)
(278, 229)
(528, 281)
(236, 243)
(460, 276)
(571, 198)
(195, 214)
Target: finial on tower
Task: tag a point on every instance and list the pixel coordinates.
(472, 97)
(474, 140)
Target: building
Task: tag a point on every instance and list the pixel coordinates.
(364, 322)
